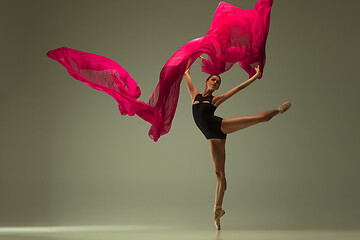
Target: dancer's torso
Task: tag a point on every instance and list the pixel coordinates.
(203, 113)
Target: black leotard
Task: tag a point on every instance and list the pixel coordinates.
(203, 113)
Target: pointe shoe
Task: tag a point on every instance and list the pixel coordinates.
(218, 213)
(284, 107)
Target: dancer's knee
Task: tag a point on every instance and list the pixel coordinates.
(220, 176)
(220, 173)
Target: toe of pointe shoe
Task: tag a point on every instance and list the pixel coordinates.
(284, 107)
(217, 226)
(217, 215)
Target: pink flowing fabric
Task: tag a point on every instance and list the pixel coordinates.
(235, 35)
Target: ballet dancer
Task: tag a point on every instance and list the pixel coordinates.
(215, 128)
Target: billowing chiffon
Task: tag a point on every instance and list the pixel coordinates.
(235, 35)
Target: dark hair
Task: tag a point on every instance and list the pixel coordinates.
(213, 75)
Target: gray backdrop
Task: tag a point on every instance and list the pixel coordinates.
(68, 157)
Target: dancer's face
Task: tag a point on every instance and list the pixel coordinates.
(213, 82)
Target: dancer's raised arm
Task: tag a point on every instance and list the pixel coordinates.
(223, 97)
(189, 84)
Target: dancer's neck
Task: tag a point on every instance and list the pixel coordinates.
(207, 92)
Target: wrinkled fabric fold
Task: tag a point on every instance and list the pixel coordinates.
(235, 35)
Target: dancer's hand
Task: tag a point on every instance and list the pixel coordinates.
(188, 70)
(201, 57)
(257, 69)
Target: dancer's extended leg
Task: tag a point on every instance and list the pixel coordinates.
(231, 125)
(217, 150)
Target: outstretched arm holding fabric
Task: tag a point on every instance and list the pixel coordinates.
(223, 97)
(189, 84)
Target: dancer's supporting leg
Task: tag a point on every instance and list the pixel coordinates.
(217, 150)
(231, 125)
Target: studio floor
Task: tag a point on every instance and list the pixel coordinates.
(148, 232)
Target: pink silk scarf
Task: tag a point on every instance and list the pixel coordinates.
(235, 35)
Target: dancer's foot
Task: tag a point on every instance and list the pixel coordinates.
(218, 213)
(284, 107)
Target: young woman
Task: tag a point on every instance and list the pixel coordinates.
(215, 128)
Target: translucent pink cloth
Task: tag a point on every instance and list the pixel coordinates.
(235, 35)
